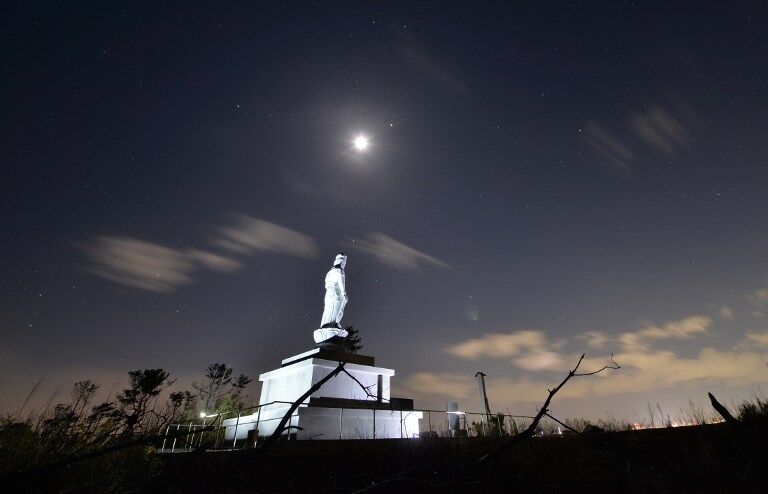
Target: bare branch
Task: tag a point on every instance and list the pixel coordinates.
(612, 365)
(281, 427)
(400, 477)
(367, 389)
(527, 433)
(290, 427)
(563, 424)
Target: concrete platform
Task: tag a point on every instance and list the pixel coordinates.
(329, 423)
(345, 411)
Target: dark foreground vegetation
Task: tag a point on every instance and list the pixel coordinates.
(707, 458)
(83, 447)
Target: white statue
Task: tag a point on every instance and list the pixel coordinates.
(335, 300)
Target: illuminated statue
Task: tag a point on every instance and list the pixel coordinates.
(335, 300)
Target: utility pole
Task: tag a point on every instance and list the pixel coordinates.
(481, 385)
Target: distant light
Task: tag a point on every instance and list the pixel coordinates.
(202, 415)
(361, 143)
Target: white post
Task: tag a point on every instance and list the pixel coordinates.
(173, 446)
(166, 436)
(237, 422)
(258, 418)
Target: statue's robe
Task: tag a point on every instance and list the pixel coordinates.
(335, 297)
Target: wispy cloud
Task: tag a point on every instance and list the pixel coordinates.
(726, 313)
(443, 384)
(527, 349)
(140, 264)
(419, 60)
(687, 327)
(389, 251)
(759, 297)
(755, 339)
(215, 262)
(644, 365)
(498, 345)
(150, 266)
(595, 339)
(248, 234)
(661, 130)
(609, 146)
(640, 371)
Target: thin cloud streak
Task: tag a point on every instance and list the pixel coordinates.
(140, 264)
(215, 262)
(594, 339)
(391, 252)
(498, 345)
(610, 147)
(683, 329)
(150, 266)
(759, 297)
(755, 339)
(661, 130)
(420, 61)
(248, 235)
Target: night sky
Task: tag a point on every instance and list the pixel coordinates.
(542, 180)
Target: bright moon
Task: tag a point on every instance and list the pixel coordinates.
(361, 143)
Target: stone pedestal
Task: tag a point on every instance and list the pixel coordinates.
(325, 334)
(340, 409)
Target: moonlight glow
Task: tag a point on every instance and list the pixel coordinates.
(361, 143)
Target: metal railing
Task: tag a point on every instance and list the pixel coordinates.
(190, 435)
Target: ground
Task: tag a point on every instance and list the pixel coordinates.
(711, 458)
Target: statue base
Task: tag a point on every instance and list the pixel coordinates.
(324, 334)
(344, 408)
(333, 344)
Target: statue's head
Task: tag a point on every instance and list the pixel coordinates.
(341, 260)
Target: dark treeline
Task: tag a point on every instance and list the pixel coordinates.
(108, 445)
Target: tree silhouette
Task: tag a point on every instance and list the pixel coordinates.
(222, 391)
(138, 400)
(353, 342)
